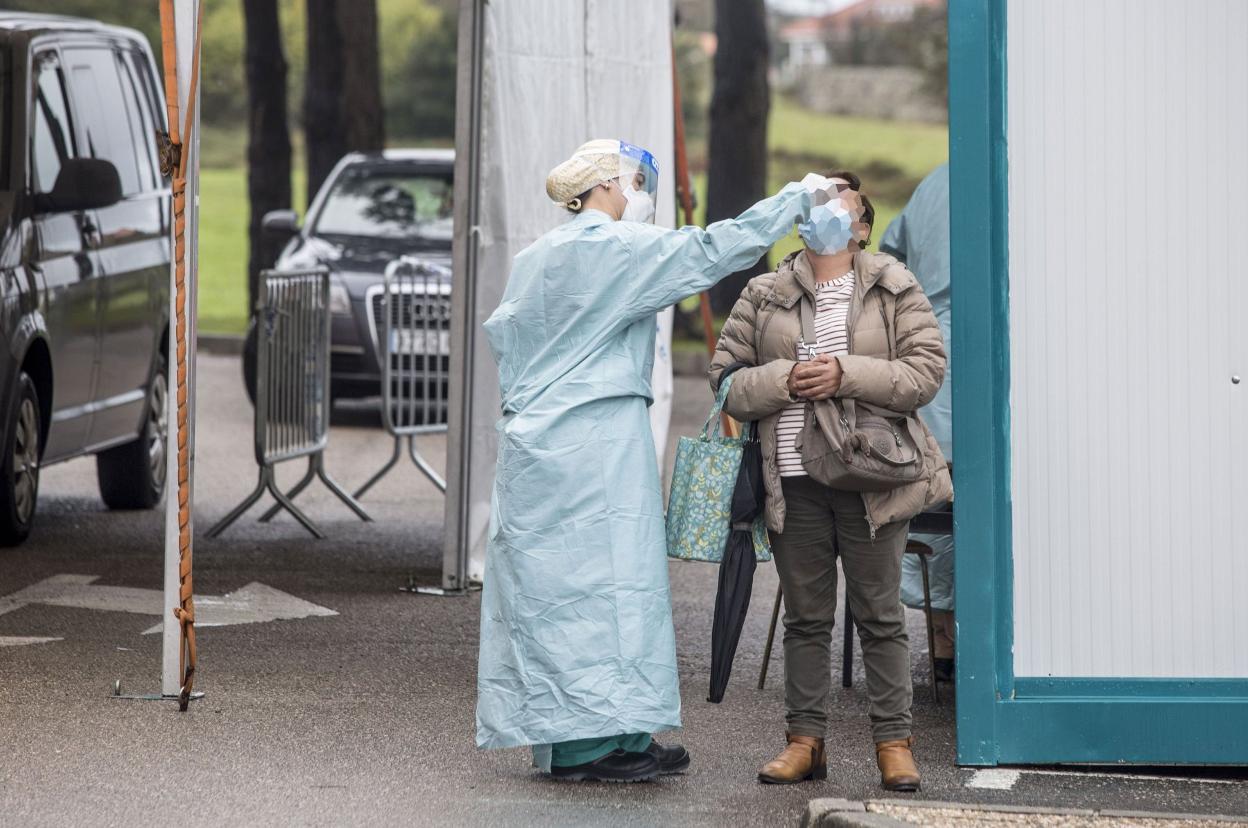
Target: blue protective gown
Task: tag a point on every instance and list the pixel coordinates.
(576, 620)
(920, 238)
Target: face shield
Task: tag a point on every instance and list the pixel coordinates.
(639, 181)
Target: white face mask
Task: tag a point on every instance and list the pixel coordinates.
(640, 207)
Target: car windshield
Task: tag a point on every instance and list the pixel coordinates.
(387, 203)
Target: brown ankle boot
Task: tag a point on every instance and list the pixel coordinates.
(898, 772)
(802, 758)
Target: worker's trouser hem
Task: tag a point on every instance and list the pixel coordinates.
(584, 751)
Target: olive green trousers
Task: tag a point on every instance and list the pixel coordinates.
(821, 523)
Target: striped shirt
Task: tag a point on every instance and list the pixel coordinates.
(831, 311)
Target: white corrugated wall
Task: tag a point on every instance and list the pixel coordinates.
(1128, 200)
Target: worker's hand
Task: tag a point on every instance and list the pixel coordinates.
(814, 182)
(818, 379)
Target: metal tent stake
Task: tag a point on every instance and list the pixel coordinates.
(195, 695)
(442, 592)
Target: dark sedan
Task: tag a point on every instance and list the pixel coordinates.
(373, 209)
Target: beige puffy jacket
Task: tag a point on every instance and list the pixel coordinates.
(896, 360)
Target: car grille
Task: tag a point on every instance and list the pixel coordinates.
(412, 310)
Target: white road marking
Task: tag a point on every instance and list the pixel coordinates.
(1004, 779)
(1135, 776)
(22, 640)
(253, 604)
(994, 779)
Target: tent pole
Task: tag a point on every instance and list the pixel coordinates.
(456, 560)
(182, 100)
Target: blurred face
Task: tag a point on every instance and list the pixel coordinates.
(852, 201)
(821, 235)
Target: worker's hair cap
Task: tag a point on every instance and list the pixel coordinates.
(593, 163)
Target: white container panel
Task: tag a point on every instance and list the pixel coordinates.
(1128, 214)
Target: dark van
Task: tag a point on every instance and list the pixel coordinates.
(84, 262)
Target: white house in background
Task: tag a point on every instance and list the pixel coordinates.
(807, 43)
(804, 45)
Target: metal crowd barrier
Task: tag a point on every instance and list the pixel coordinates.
(411, 323)
(292, 390)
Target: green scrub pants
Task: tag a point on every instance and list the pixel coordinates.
(581, 751)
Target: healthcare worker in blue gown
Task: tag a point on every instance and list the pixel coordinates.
(578, 654)
(919, 237)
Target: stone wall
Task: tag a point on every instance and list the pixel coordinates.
(891, 92)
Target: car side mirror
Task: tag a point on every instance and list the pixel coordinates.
(280, 223)
(82, 184)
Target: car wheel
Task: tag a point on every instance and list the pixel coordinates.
(132, 476)
(249, 361)
(19, 466)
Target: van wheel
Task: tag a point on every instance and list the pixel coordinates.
(132, 476)
(19, 465)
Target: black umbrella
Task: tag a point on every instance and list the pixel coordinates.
(736, 570)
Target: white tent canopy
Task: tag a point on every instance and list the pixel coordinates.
(537, 78)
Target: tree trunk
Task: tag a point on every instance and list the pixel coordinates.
(362, 109)
(325, 134)
(268, 135)
(342, 108)
(737, 174)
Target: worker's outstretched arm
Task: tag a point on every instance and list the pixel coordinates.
(669, 265)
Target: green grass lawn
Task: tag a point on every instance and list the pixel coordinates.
(861, 144)
(891, 156)
(223, 221)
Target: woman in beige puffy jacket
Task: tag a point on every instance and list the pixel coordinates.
(877, 341)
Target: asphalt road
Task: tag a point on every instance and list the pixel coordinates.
(366, 717)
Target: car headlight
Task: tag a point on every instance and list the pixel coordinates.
(339, 299)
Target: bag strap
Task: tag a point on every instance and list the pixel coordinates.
(848, 411)
(809, 338)
(717, 408)
(916, 433)
(843, 408)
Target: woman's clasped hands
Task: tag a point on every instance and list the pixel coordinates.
(818, 379)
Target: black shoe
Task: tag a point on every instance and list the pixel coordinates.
(616, 766)
(944, 669)
(671, 760)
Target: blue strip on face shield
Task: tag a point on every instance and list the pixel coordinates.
(639, 181)
(640, 162)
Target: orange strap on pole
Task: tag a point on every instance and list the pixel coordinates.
(174, 160)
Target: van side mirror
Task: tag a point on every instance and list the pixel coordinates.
(280, 223)
(82, 184)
